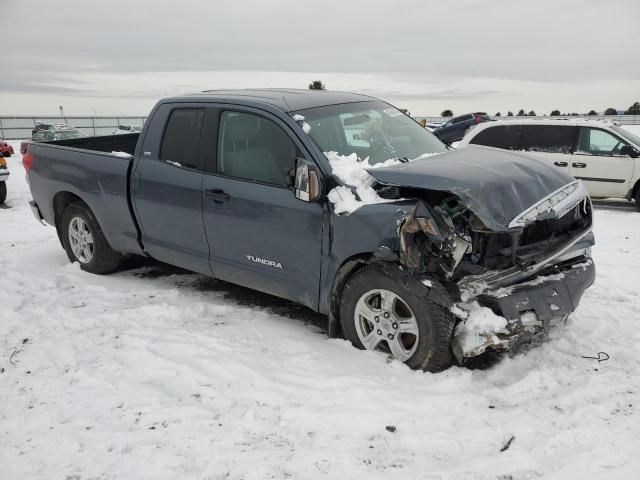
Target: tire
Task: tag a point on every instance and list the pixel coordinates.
(87, 245)
(637, 199)
(429, 348)
(3, 192)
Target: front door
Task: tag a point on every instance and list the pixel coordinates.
(598, 163)
(260, 235)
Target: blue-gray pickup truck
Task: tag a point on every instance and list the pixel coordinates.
(409, 255)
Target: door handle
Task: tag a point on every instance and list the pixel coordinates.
(561, 164)
(217, 195)
(579, 165)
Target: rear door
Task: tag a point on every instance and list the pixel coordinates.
(598, 163)
(260, 235)
(552, 143)
(167, 188)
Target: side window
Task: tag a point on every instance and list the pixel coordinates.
(181, 137)
(548, 138)
(254, 148)
(461, 119)
(500, 136)
(594, 141)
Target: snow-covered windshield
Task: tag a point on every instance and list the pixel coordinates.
(373, 130)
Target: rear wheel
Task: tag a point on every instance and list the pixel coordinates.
(84, 241)
(378, 313)
(3, 192)
(638, 200)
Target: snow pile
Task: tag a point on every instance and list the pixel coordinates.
(351, 171)
(479, 326)
(479, 319)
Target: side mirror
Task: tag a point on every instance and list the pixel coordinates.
(307, 181)
(629, 151)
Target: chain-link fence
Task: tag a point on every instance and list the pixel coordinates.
(19, 128)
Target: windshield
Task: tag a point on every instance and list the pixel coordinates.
(627, 134)
(369, 129)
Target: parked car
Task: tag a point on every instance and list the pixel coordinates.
(42, 126)
(239, 185)
(6, 150)
(4, 175)
(454, 129)
(125, 129)
(57, 134)
(600, 153)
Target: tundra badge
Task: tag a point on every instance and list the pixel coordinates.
(264, 261)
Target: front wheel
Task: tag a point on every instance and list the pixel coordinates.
(84, 241)
(638, 200)
(3, 192)
(378, 313)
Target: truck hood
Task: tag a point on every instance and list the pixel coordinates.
(497, 185)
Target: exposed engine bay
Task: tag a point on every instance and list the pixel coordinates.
(442, 237)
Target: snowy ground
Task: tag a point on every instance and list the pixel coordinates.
(156, 373)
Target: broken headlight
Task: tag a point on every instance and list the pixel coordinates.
(555, 205)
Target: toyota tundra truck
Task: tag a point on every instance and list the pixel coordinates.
(336, 201)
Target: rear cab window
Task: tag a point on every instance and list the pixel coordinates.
(180, 142)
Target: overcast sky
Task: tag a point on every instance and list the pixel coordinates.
(119, 57)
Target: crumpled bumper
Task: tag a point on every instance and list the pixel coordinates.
(529, 307)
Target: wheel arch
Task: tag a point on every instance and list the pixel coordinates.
(61, 201)
(634, 190)
(344, 272)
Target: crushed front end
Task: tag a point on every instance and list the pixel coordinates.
(530, 274)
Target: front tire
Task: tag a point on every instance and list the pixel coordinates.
(379, 313)
(3, 192)
(84, 241)
(637, 199)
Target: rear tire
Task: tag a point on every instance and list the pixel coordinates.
(84, 241)
(638, 200)
(3, 192)
(387, 316)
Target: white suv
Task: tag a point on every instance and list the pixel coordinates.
(600, 153)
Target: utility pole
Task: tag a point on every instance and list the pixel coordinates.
(62, 113)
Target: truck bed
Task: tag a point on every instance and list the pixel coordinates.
(109, 143)
(86, 169)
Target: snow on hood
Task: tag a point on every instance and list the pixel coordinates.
(497, 185)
